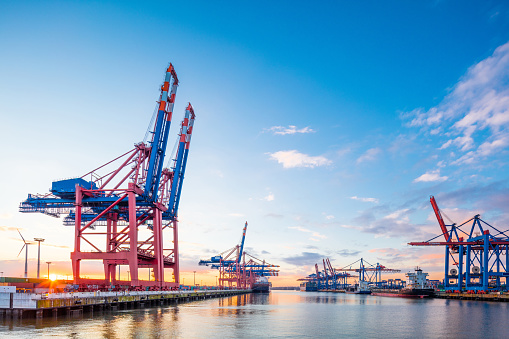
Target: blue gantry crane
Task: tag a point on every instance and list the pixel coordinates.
(130, 191)
(476, 254)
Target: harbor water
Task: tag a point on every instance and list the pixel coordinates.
(282, 314)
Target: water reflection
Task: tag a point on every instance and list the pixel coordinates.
(285, 314)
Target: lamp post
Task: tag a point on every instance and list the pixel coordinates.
(39, 240)
(194, 283)
(49, 263)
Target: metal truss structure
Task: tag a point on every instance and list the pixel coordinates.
(237, 272)
(476, 254)
(368, 273)
(121, 209)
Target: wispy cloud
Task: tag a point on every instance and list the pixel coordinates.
(7, 228)
(431, 176)
(291, 129)
(365, 199)
(305, 258)
(235, 214)
(305, 230)
(382, 221)
(370, 155)
(474, 116)
(293, 158)
(274, 215)
(348, 253)
(269, 197)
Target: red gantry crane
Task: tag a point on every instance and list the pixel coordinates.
(120, 209)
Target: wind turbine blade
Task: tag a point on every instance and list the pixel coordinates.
(21, 236)
(22, 249)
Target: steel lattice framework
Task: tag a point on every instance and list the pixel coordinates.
(237, 272)
(121, 196)
(476, 254)
(329, 278)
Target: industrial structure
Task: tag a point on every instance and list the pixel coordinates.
(237, 272)
(476, 254)
(336, 279)
(328, 279)
(368, 273)
(121, 210)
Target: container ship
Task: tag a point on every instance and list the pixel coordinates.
(417, 286)
(361, 288)
(261, 285)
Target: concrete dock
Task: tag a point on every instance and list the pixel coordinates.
(31, 305)
(495, 296)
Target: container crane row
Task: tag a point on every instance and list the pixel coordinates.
(237, 272)
(130, 191)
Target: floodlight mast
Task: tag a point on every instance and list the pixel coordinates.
(39, 240)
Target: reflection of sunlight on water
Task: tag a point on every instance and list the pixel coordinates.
(287, 314)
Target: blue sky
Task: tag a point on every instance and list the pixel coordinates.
(325, 126)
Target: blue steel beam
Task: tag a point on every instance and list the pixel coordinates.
(160, 137)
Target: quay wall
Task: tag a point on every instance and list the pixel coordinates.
(38, 305)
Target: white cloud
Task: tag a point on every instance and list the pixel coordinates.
(291, 129)
(431, 176)
(375, 200)
(6, 215)
(294, 158)
(269, 197)
(305, 230)
(370, 155)
(236, 215)
(475, 114)
(396, 214)
(329, 217)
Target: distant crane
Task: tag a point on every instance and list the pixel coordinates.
(126, 193)
(368, 273)
(234, 270)
(328, 279)
(25, 246)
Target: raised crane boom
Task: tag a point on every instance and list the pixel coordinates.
(127, 192)
(160, 136)
(439, 217)
(242, 242)
(179, 167)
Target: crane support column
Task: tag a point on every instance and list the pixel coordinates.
(133, 236)
(176, 269)
(158, 247)
(77, 236)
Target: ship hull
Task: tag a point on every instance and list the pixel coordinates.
(261, 288)
(405, 293)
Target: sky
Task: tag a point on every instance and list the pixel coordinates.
(325, 125)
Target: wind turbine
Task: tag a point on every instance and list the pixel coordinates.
(25, 245)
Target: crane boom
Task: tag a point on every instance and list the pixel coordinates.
(160, 134)
(242, 242)
(181, 160)
(439, 217)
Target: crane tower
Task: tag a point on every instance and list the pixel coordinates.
(121, 209)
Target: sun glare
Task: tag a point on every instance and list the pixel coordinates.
(52, 277)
